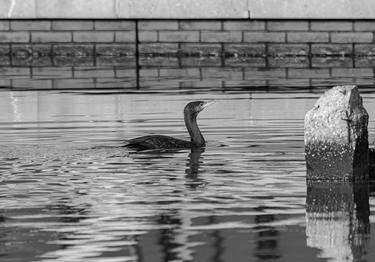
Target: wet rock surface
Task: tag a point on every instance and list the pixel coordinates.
(336, 137)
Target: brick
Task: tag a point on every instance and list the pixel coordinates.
(4, 49)
(91, 72)
(73, 50)
(148, 36)
(123, 61)
(115, 49)
(284, 62)
(200, 49)
(185, 73)
(158, 48)
(14, 37)
(27, 84)
(215, 37)
(159, 61)
(4, 60)
(24, 50)
(51, 72)
(364, 49)
(201, 84)
(222, 73)
(15, 72)
(248, 84)
(181, 36)
(114, 25)
(115, 83)
(125, 72)
(73, 25)
(289, 83)
(245, 61)
(149, 73)
(54, 37)
(267, 73)
(158, 25)
(245, 49)
(24, 25)
(73, 83)
(365, 37)
(73, 60)
(125, 36)
(95, 37)
(288, 50)
(329, 62)
(366, 62)
(5, 83)
(244, 25)
(34, 62)
(4, 25)
(331, 49)
(352, 72)
(253, 37)
(288, 25)
(200, 25)
(331, 26)
(190, 61)
(308, 73)
(308, 37)
(364, 25)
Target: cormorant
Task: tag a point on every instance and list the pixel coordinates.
(166, 142)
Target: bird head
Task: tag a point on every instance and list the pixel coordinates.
(197, 106)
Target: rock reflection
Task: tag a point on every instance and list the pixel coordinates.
(337, 219)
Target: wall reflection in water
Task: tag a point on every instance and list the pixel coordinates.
(337, 219)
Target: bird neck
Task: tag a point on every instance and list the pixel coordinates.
(196, 137)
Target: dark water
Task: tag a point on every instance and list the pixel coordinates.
(68, 192)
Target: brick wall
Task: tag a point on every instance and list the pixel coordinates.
(122, 53)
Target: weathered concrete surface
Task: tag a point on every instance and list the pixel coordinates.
(166, 9)
(337, 219)
(336, 138)
(309, 9)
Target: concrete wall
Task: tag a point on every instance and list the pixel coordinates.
(196, 9)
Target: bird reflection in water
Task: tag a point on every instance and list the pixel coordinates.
(337, 219)
(193, 164)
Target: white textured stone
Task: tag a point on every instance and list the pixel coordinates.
(309, 9)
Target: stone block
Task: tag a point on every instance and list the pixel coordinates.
(288, 25)
(51, 72)
(200, 49)
(237, 50)
(308, 73)
(245, 25)
(158, 48)
(222, 73)
(221, 37)
(125, 36)
(331, 26)
(331, 49)
(266, 37)
(121, 61)
(125, 73)
(183, 74)
(202, 61)
(331, 61)
(260, 74)
(92, 72)
(74, 25)
(159, 61)
(4, 49)
(364, 49)
(73, 60)
(200, 25)
(14, 37)
(178, 36)
(358, 37)
(114, 25)
(245, 61)
(158, 25)
(308, 37)
(114, 83)
(73, 50)
(34, 84)
(30, 25)
(336, 137)
(115, 49)
(4, 25)
(51, 37)
(288, 61)
(60, 84)
(288, 49)
(353, 72)
(364, 26)
(97, 37)
(148, 36)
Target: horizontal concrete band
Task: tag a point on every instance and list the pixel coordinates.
(188, 9)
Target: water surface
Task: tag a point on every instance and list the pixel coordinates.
(70, 192)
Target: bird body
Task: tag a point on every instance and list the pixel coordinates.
(191, 111)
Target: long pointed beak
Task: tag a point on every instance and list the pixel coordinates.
(208, 103)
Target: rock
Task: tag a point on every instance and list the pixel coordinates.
(336, 137)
